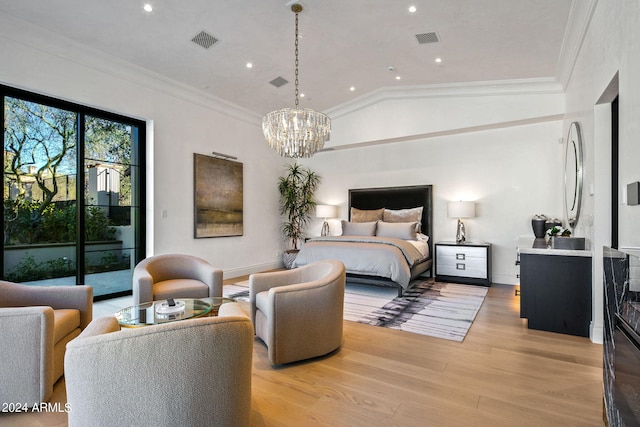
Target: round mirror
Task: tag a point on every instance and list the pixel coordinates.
(573, 174)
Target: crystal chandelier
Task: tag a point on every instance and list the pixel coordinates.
(296, 132)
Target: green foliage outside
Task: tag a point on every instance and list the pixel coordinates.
(30, 270)
(25, 222)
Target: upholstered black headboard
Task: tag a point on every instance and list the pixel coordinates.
(397, 198)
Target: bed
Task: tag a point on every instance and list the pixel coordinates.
(389, 256)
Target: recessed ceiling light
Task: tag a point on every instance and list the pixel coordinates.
(352, 88)
(249, 65)
(438, 60)
(302, 95)
(398, 77)
(148, 8)
(412, 9)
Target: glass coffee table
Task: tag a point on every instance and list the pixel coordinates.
(216, 302)
(157, 312)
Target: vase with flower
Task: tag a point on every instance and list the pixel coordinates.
(560, 238)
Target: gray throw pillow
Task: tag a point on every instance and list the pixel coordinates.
(397, 230)
(358, 228)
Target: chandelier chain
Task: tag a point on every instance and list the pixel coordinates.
(296, 81)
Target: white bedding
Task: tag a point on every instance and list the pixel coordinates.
(367, 255)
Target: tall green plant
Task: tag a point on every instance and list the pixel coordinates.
(296, 201)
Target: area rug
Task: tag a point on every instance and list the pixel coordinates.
(442, 310)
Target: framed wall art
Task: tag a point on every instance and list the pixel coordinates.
(218, 197)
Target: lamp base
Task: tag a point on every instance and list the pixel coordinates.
(325, 229)
(460, 232)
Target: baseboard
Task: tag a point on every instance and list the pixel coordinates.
(504, 279)
(596, 333)
(258, 268)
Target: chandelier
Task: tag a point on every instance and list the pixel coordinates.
(296, 132)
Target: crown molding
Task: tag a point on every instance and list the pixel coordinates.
(54, 44)
(578, 23)
(482, 88)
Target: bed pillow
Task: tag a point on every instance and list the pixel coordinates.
(404, 215)
(358, 228)
(360, 215)
(397, 230)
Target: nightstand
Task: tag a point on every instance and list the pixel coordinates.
(463, 263)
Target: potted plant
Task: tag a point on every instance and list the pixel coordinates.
(296, 190)
(560, 238)
(557, 231)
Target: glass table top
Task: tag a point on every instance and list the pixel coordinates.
(157, 312)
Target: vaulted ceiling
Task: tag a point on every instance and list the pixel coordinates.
(348, 48)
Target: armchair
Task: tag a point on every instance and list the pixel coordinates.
(186, 373)
(36, 323)
(173, 275)
(298, 313)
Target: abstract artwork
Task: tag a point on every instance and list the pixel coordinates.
(218, 197)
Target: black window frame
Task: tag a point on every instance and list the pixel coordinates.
(83, 111)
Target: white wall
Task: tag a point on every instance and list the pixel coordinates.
(511, 170)
(612, 45)
(181, 122)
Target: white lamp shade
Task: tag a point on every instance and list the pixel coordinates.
(461, 209)
(326, 211)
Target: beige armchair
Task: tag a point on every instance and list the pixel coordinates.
(298, 313)
(172, 275)
(36, 323)
(186, 373)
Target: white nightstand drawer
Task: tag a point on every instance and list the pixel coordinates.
(476, 268)
(461, 252)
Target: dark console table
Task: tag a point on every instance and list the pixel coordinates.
(555, 290)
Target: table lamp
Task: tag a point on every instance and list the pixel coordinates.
(461, 210)
(326, 211)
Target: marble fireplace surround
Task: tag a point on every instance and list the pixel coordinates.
(621, 368)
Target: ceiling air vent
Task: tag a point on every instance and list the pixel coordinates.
(204, 39)
(279, 81)
(425, 38)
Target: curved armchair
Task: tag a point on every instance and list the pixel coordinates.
(298, 313)
(36, 323)
(173, 275)
(185, 373)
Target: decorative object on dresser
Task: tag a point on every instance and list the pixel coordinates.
(468, 263)
(298, 132)
(552, 222)
(560, 238)
(538, 224)
(555, 289)
(461, 210)
(326, 212)
(296, 190)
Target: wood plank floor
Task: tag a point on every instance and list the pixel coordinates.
(501, 375)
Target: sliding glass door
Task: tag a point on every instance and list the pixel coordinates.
(73, 210)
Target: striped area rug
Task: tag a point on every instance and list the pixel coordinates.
(442, 310)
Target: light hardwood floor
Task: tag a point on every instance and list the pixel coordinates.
(501, 375)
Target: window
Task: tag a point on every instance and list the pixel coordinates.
(73, 201)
